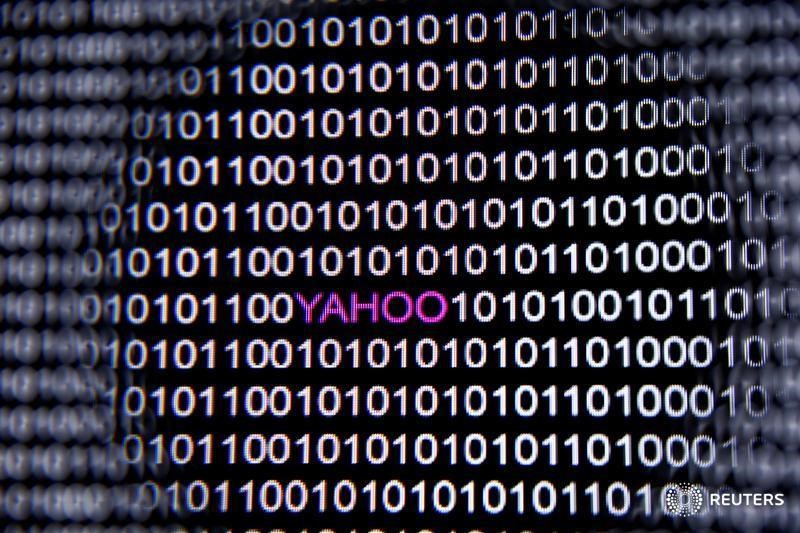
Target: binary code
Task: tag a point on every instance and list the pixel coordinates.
(399, 265)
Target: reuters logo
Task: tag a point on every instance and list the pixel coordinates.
(682, 499)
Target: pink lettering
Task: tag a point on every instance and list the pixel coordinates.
(396, 307)
(334, 307)
(356, 306)
(420, 307)
(308, 307)
(409, 303)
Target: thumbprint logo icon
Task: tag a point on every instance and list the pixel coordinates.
(682, 499)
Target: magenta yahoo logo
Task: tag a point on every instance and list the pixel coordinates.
(396, 307)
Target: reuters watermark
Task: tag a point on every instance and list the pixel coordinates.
(689, 499)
